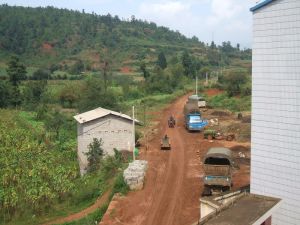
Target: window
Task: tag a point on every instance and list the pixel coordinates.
(195, 119)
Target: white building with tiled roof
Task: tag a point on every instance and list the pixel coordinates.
(115, 130)
(275, 144)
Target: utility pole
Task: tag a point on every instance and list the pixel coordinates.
(133, 133)
(196, 85)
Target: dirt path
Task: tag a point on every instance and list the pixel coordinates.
(173, 181)
(76, 216)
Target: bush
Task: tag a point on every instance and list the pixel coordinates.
(120, 185)
(233, 82)
(95, 154)
(231, 103)
(41, 74)
(95, 95)
(246, 90)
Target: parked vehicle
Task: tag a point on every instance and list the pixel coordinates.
(199, 100)
(218, 164)
(192, 116)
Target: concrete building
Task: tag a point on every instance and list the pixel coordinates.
(237, 208)
(275, 144)
(115, 130)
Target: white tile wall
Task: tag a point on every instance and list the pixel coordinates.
(275, 159)
(115, 132)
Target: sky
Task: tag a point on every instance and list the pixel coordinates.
(217, 20)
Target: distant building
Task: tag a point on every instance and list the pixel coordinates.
(115, 129)
(275, 144)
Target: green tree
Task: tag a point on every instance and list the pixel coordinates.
(94, 95)
(5, 93)
(41, 74)
(77, 68)
(95, 154)
(144, 70)
(161, 60)
(213, 45)
(187, 63)
(159, 82)
(33, 92)
(233, 82)
(16, 71)
(54, 121)
(205, 70)
(105, 74)
(69, 94)
(177, 72)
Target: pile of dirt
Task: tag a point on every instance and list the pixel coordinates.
(221, 113)
(246, 119)
(213, 92)
(240, 148)
(242, 154)
(242, 131)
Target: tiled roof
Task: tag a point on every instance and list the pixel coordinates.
(98, 113)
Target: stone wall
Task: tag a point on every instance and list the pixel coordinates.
(134, 175)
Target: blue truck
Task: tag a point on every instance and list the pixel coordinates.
(192, 116)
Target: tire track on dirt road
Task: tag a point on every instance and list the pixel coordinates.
(161, 198)
(165, 204)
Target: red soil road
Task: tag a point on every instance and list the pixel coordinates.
(173, 181)
(125, 69)
(76, 216)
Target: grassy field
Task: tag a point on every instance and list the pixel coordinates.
(234, 104)
(87, 189)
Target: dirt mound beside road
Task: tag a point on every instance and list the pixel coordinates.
(213, 92)
(221, 113)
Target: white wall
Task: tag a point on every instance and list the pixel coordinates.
(116, 132)
(275, 163)
(206, 209)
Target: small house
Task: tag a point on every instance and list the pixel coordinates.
(115, 129)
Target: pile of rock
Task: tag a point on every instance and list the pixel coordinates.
(134, 175)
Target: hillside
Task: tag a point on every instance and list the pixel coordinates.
(45, 37)
(55, 63)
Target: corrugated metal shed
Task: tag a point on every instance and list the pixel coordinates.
(98, 113)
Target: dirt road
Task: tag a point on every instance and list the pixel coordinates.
(76, 216)
(173, 181)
